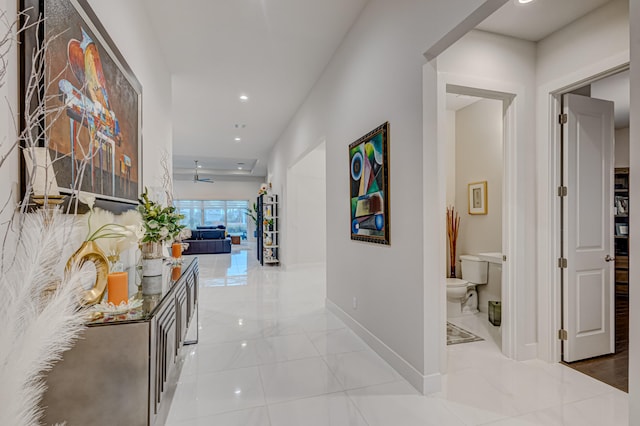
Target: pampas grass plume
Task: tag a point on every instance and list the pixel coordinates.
(37, 325)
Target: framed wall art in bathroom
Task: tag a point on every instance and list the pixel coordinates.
(369, 186)
(477, 194)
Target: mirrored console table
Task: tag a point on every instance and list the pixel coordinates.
(124, 368)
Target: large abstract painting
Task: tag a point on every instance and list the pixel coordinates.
(369, 177)
(95, 138)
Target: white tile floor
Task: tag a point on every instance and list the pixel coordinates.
(270, 354)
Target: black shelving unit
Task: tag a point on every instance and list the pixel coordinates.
(621, 231)
(259, 229)
(268, 246)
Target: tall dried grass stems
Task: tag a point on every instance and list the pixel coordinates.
(453, 225)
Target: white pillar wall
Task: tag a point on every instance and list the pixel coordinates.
(306, 224)
(9, 189)
(376, 75)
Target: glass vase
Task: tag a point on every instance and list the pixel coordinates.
(115, 264)
(151, 258)
(151, 250)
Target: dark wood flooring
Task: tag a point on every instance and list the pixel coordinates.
(612, 369)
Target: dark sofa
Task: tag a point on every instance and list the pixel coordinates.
(208, 240)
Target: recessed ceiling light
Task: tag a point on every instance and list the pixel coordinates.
(524, 1)
(237, 139)
(239, 168)
(245, 98)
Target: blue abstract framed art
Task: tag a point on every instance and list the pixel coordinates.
(369, 186)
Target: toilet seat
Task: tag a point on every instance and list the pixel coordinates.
(456, 282)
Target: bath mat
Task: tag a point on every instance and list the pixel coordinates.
(457, 335)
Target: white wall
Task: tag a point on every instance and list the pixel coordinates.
(375, 76)
(451, 159)
(127, 24)
(479, 158)
(9, 170)
(621, 156)
(586, 42)
(594, 44)
(482, 60)
(219, 190)
(306, 236)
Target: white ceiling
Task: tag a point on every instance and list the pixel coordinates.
(538, 19)
(273, 51)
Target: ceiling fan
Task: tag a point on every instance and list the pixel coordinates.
(197, 178)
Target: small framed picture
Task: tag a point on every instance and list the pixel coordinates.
(478, 197)
(622, 229)
(622, 205)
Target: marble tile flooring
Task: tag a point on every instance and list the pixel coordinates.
(270, 354)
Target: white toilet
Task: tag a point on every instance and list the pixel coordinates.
(462, 297)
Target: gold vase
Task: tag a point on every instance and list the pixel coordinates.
(90, 252)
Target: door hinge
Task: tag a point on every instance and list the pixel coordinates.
(563, 191)
(562, 262)
(563, 118)
(563, 335)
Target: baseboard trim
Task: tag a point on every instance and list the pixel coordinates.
(424, 384)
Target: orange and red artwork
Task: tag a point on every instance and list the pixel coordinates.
(96, 136)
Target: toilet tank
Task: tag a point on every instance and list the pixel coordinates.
(474, 269)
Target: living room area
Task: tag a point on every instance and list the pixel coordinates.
(216, 212)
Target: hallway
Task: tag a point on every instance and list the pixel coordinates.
(271, 354)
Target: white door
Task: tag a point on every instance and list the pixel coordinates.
(588, 289)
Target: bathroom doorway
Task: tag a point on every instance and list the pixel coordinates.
(475, 166)
(516, 289)
(594, 306)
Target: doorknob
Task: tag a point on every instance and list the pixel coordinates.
(608, 258)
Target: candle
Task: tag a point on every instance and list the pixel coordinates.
(176, 250)
(175, 273)
(118, 287)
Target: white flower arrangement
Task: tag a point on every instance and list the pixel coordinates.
(184, 234)
(114, 234)
(161, 223)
